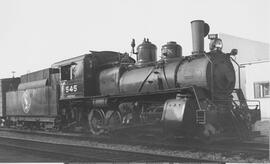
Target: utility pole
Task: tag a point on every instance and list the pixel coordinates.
(13, 72)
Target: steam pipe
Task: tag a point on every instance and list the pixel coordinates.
(212, 76)
(199, 30)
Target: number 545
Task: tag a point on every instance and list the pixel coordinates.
(71, 88)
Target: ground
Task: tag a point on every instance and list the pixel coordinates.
(264, 128)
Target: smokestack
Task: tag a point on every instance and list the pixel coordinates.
(199, 30)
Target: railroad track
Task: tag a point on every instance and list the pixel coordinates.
(89, 154)
(248, 148)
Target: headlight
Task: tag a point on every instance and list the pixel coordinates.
(216, 44)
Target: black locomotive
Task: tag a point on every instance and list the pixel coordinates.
(104, 91)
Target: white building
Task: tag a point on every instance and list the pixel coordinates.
(254, 60)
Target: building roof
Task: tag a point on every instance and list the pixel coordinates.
(248, 50)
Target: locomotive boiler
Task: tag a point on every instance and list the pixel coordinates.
(213, 71)
(103, 91)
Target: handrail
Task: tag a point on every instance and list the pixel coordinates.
(144, 81)
(257, 101)
(239, 82)
(196, 97)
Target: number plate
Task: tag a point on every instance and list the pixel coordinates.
(71, 88)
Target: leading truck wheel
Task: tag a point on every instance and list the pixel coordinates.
(96, 121)
(209, 130)
(208, 134)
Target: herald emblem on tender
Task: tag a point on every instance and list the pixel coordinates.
(26, 101)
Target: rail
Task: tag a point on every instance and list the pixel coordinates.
(251, 148)
(91, 153)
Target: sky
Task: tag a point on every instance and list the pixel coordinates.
(34, 34)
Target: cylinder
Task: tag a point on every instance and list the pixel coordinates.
(199, 30)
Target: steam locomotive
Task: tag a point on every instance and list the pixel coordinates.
(103, 91)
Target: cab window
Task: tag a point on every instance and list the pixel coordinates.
(72, 71)
(65, 72)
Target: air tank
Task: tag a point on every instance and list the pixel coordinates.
(146, 52)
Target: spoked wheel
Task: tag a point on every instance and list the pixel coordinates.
(96, 121)
(113, 119)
